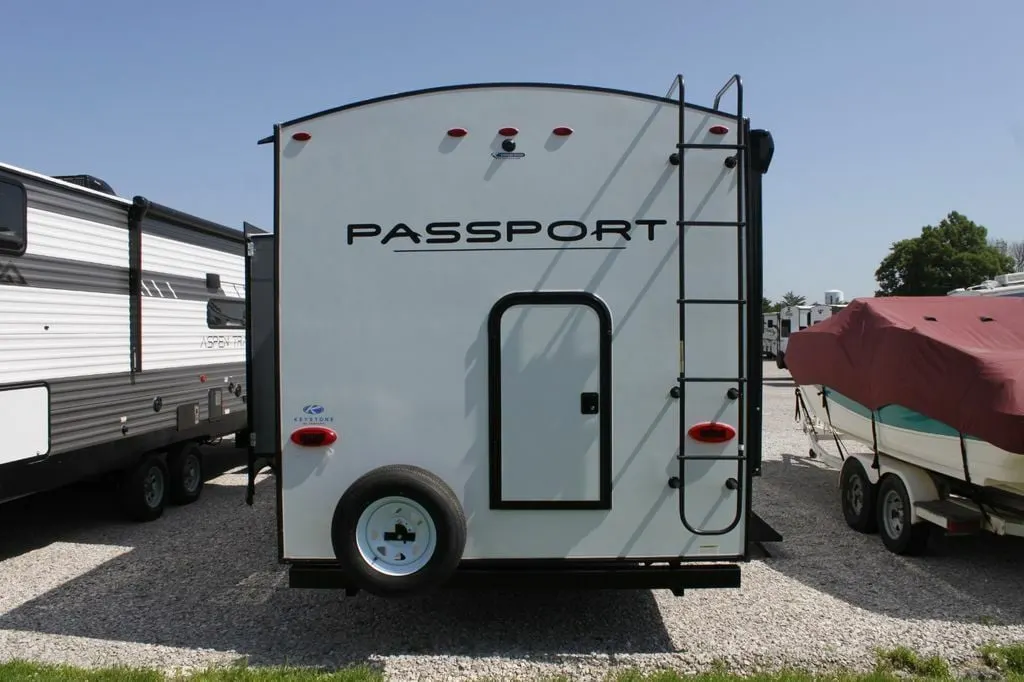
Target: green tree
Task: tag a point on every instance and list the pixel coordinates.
(1014, 250)
(954, 253)
(767, 306)
(789, 298)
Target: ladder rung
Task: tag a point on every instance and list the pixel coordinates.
(711, 380)
(711, 301)
(701, 145)
(709, 223)
(713, 458)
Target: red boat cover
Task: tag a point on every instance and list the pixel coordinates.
(957, 359)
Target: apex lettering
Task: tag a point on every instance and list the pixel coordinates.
(493, 231)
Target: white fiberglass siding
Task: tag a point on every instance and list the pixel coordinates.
(48, 334)
(174, 334)
(160, 254)
(71, 238)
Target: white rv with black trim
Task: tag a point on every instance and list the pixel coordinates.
(122, 338)
(506, 333)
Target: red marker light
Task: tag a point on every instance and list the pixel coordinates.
(457, 132)
(202, 378)
(711, 432)
(301, 136)
(314, 436)
(718, 130)
(508, 132)
(562, 131)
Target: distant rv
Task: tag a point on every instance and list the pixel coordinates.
(1011, 284)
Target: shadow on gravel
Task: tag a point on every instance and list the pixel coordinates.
(969, 580)
(206, 577)
(83, 512)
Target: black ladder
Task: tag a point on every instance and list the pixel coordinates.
(739, 392)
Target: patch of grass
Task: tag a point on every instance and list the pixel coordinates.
(780, 676)
(39, 672)
(905, 660)
(895, 665)
(1006, 658)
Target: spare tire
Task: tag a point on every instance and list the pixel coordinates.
(398, 530)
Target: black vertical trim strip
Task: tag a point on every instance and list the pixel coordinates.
(278, 469)
(136, 214)
(755, 277)
(760, 147)
(754, 389)
(502, 305)
(247, 279)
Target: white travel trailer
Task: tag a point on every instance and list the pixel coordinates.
(122, 337)
(797, 317)
(503, 335)
(792, 318)
(770, 335)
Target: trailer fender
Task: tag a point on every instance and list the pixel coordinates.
(398, 530)
(919, 483)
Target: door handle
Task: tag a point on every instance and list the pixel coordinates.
(590, 403)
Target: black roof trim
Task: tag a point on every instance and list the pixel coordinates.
(498, 84)
(173, 215)
(250, 229)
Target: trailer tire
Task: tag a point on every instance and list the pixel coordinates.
(390, 499)
(780, 361)
(143, 489)
(185, 473)
(898, 534)
(857, 497)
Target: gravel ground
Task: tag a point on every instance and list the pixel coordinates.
(202, 586)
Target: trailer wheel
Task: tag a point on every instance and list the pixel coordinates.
(143, 489)
(857, 497)
(898, 534)
(398, 530)
(780, 361)
(185, 471)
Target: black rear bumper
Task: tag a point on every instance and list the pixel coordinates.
(553, 575)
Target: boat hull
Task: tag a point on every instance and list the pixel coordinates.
(916, 439)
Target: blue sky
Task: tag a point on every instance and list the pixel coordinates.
(886, 116)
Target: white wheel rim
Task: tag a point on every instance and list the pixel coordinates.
(383, 536)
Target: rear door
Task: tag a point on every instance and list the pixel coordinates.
(552, 394)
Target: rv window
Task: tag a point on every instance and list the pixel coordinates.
(787, 326)
(13, 218)
(225, 313)
(771, 323)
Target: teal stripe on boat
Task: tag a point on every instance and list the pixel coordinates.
(897, 416)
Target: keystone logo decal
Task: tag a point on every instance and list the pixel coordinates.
(9, 275)
(314, 414)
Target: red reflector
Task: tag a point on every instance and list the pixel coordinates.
(718, 130)
(712, 432)
(314, 436)
(457, 132)
(509, 131)
(301, 136)
(202, 378)
(562, 131)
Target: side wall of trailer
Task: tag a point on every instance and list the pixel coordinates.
(120, 364)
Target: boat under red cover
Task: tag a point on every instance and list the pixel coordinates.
(956, 359)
